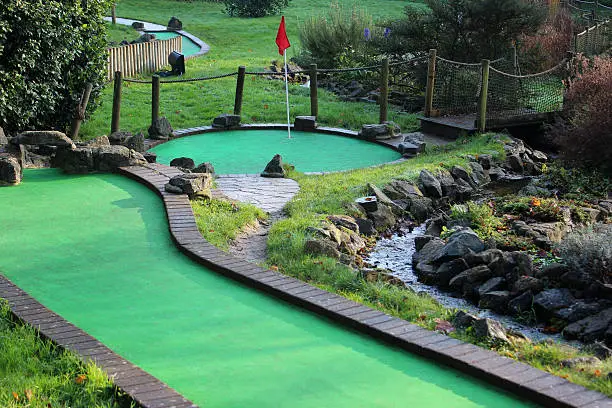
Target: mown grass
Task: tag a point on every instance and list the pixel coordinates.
(35, 373)
(119, 32)
(234, 42)
(221, 221)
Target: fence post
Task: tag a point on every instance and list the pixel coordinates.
(79, 115)
(384, 90)
(314, 96)
(154, 99)
(239, 90)
(484, 90)
(116, 102)
(114, 15)
(431, 78)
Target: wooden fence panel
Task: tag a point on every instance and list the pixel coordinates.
(141, 58)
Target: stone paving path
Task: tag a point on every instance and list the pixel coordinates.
(269, 194)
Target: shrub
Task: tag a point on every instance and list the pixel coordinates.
(254, 8)
(587, 140)
(589, 250)
(48, 51)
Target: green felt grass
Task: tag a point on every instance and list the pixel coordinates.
(96, 250)
(189, 47)
(248, 151)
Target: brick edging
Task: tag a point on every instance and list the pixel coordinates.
(522, 379)
(140, 386)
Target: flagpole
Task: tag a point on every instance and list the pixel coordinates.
(287, 96)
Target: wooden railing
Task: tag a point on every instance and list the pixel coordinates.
(141, 58)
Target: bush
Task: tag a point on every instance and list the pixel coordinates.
(254, 8)
(587, 140)
(589, 250)
(337, 39)
(48, 51)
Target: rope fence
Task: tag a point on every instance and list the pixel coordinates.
(593, 40)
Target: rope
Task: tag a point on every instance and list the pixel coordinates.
(530, 75)
(102, 85)
(467, 64)
(173, 81)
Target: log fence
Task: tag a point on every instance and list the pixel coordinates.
(141, 58)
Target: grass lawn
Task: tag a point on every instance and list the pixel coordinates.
(234, 42)
(119, 32)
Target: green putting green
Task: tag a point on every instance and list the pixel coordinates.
(248, 151)
(96, 250)
(189, 47)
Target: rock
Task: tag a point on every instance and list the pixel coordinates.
(521, 304)
(321, 248)
(576, 279)
(459, 173)
(495, 300)
(517, 264)
(368, 204)
(527, 283)
(10, 171)
(110, 158)
(375, 132)
(77, 161)
(420, 208)
(590, 328)
(490, 329)
(382, 218)
(538, 156)
(496, 173)
(344, 221)
(447, 183)
(3, 139)
(573, 362)
(407, 148)
(45, 137)
(382, 198)
(183, 163)
(442, 275)
(378, 275)
(421, 240)
(552, 271)
(405, 188)
(226, 121)
(530, 167)
(119, 138)
(150, 157)
(274, 168)
(485, 161)
(578, 311)
(478, 176)
(145, 38)
(484, 257)
(175, 24)
(205, 167)
(460, 244)
(515, 163)
(137, 25)
(366, 227)
(600, 350)
(428, 252)
(98, 141)
(169, 188)
(161, 129)
(136, 142)
(191, 183)
(548, 302)
(431, 185)
(464, 320)
(476, 274)
(463, 190)
(392, 193)
(493, 284)
(305, 123)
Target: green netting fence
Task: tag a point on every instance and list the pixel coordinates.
(593, 40)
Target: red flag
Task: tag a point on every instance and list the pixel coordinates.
(281, 37)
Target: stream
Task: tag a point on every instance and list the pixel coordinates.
(395, 254)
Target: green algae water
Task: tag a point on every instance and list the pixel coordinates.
(97, 251)
(248, 151)
(189, 47)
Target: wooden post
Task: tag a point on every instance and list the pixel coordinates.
(384, 90)
(114, 15)
(79, 115)
(484, 90)
(239, 90)
(154, 99)
(314, 95)
(431, 78)
(116, 102)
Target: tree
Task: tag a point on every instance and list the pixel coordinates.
(254, 8)
(49, 50)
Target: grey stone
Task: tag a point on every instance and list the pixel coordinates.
(382, 218)
(45, 137)
(484, 257)
(405, 188)
(10, 171)
(392, 193)
(150, 157)
(591, 328)
(382, 198)
(274, 168)
(421, 240)
(305, 123)
(463, 190)
(98, 141)
(485, 161)
(495, 300)
(183, 163)
(110, 158)
(490, 329)
(577, 279)
(169, 188)
(431, 185)
(460, 173)
(205, 167)
(515, 163)
(366, 227)
(175, 24)
(160, 129)
(573, 362)
(192, 183)
(321, 247)
(137, 25)
(460, 244)
(476, 274)
(420, 208)
(118, 138)
(464, 320)
(447, 183)
(136, 142)
(496, 173)
(552, 271)
(538, 156)
(530, 167)
(428, 252)
(376, 132)
(408, 148)
(546, 303)
(527, 283)
(3, 139)
(77, 161)
(344, 221)
(479, 176)
(578, 311)
(443, 274)
(226, 121)
(600, 350)
(521, 304)
(493, 284)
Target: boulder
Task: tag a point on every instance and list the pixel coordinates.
(420, 208)
(45, 137)
(478, 176)
(484, 257)
(382, 218)
(485, 161)
(443, 274)
(495, 300)
(191, 183)
(463, 190)
(10, 171)
(3, 139)
(521, 304)
(591, 328)
(382, 198)
(136, 142)
(489, 329)
(137, 25)
(169, 188)
(431, 185)
(392, 193)
(476, 274)
(460, 243)
(429, 251)
(577, 279)
(321, 248)
(447, 183)
(459, 173)
(160, 129)
(496, 173)
(150, 157)
(421, 240)
(464, 320)
(404, 188)
(77, 161)
(552, 271)
(576, 361)
(226, 121)
(110, 158)
(407, 148)
(98, 141)
(205, 167)
(600, 350)
(548, 302)
(538, 156)
(183, 163)
(527, 283)
(515, 163)
(175, 24)
(305, 123)
(493, 284)
(579, 310)
(119, 138)
(375, 132)
(344, 221)
(366, 227)
(274, 168)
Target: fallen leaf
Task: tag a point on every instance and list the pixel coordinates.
(274, 268)
(597, 373)
(16, 396)
(564, 376)
(80, 379)
(211, 230)
(444, 326)
(29, 394)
